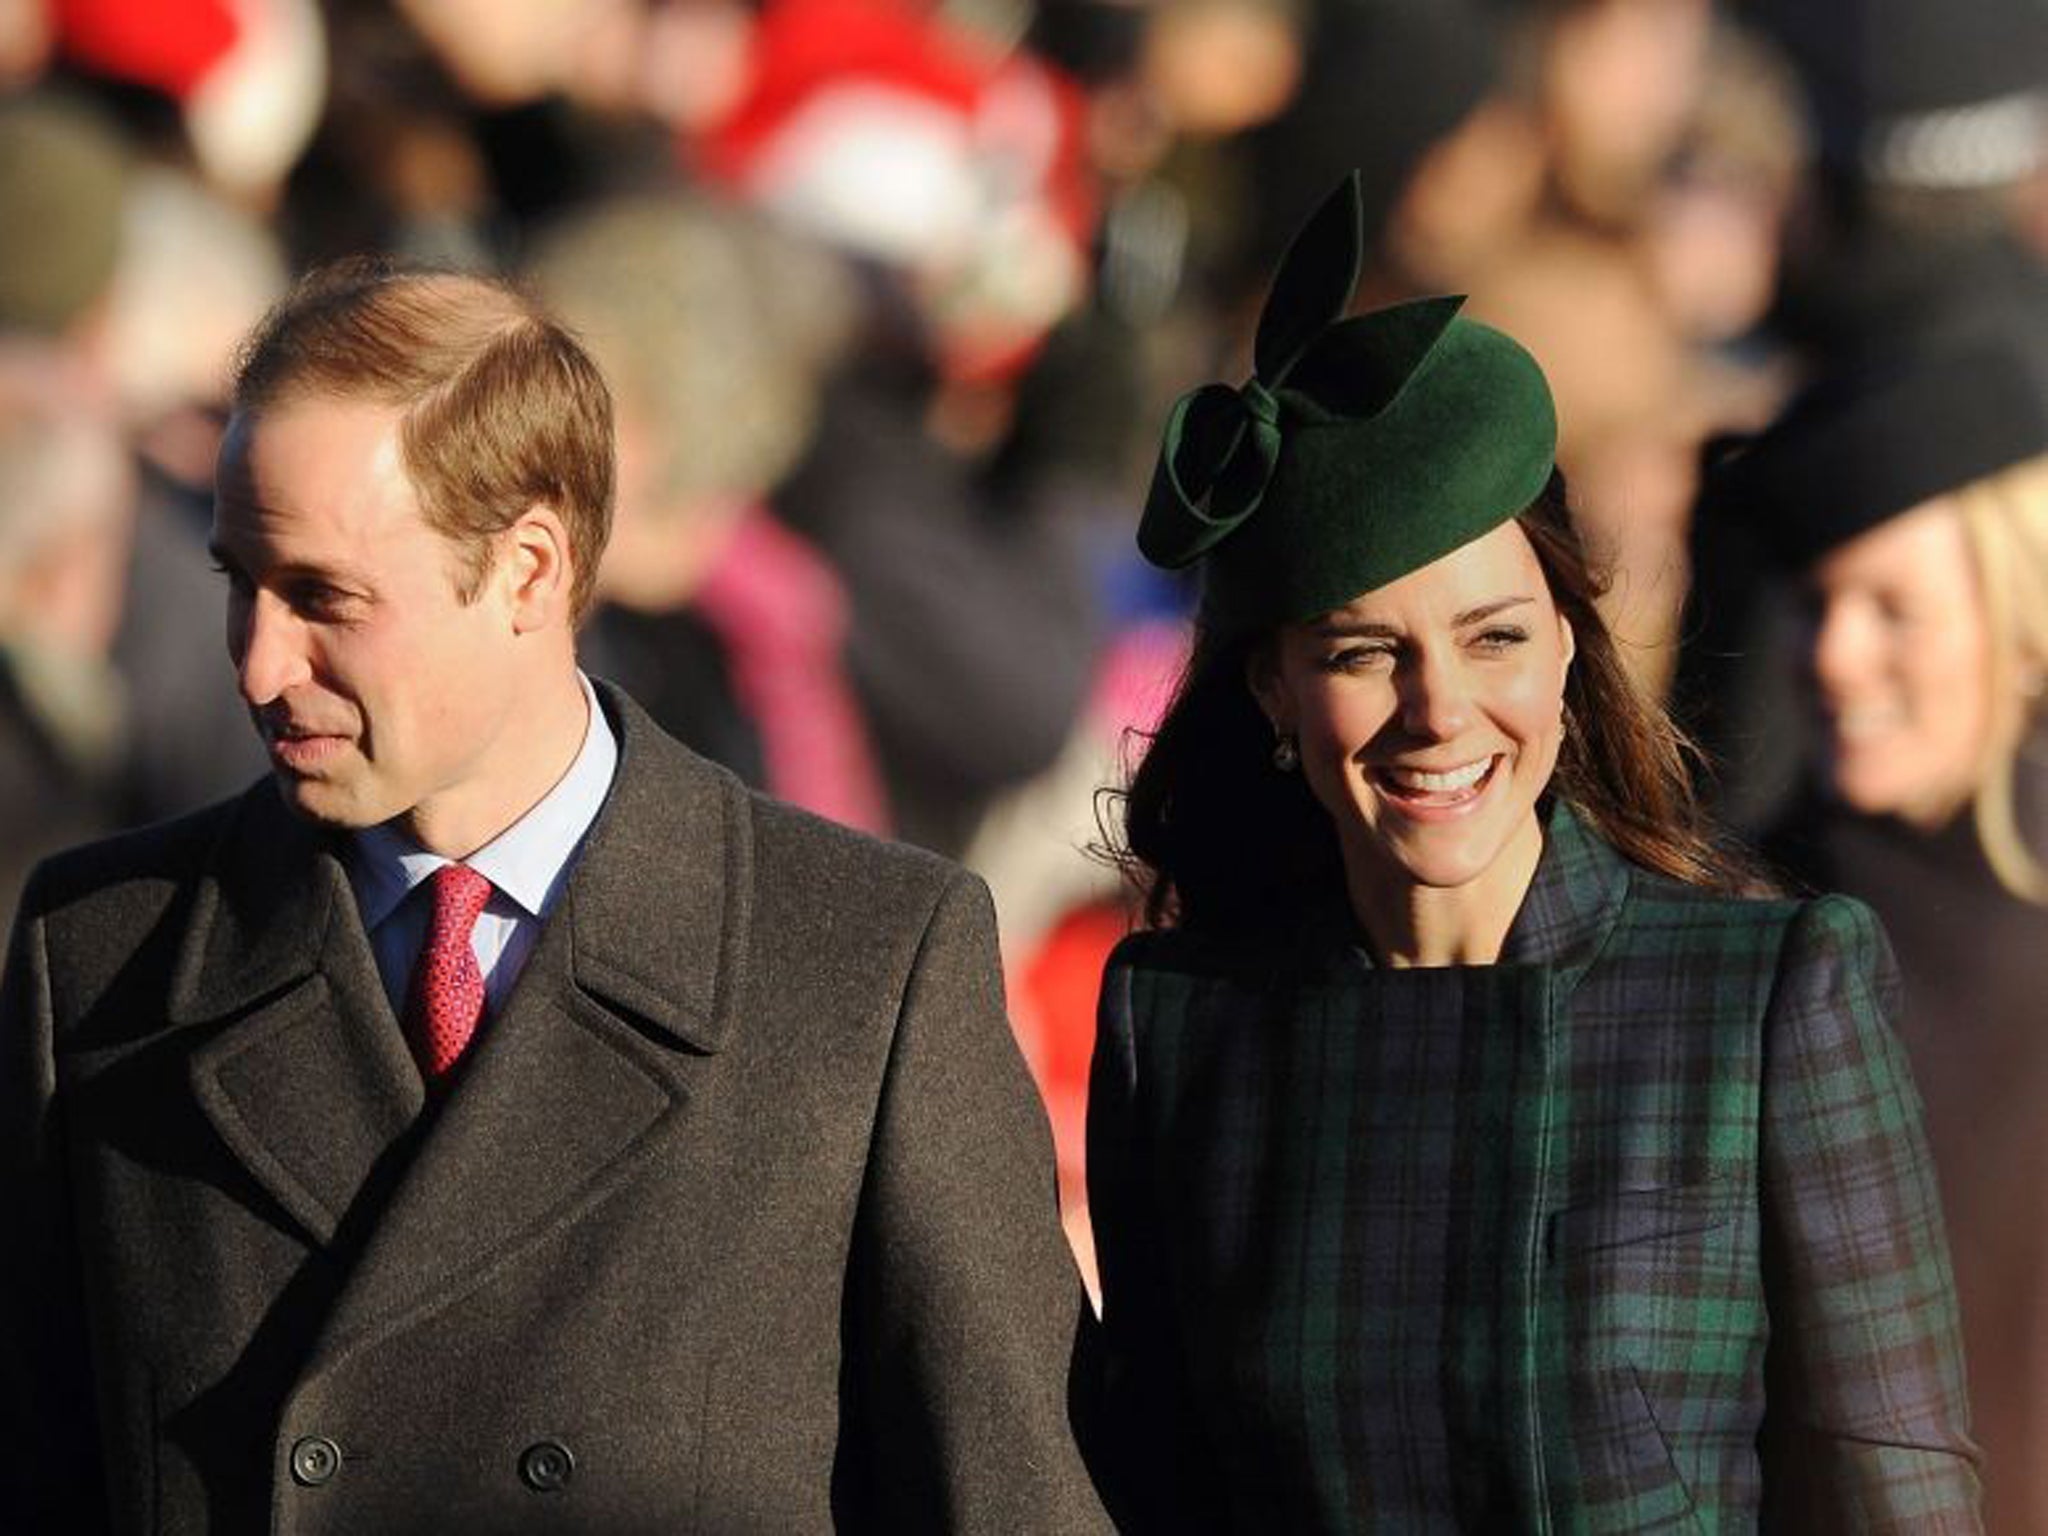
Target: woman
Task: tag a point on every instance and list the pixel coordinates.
(1912, 498)
(1463, 1155)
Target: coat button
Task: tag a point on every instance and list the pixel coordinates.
(315, 1460)
(546, 1466)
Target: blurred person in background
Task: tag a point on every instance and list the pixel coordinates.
(952, 176)
(26, 43)
(140, 280)
(65, 170)
(716, 333)
(1468, 1150)
(66, 509)
(1409, 92)
(1714, 231)
(1931, 122)
(451, 130)
(1601, 283)
(1909, 497)
(195, 274)
(1930, 131)
(230, 89)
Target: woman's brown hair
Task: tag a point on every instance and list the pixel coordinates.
(1214, 835)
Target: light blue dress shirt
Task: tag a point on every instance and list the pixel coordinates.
(527, 865)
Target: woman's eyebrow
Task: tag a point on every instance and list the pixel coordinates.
(1335, 629)
(1485, 611)
(1339, 627)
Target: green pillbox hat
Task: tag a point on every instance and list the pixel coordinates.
(1360, 450)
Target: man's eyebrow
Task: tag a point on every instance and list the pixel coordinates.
(294, 570)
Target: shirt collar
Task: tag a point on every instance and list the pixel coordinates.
(527, 862)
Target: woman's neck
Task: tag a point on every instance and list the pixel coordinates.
(1409, 924)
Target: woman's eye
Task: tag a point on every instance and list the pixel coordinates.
(1900, 611)
(1501, 637)
(1358, 658)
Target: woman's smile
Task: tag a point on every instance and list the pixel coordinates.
(1429, 794)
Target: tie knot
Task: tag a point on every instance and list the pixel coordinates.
(459, 895)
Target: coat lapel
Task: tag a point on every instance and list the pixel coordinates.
(590, 1066)
(1574, 902)
(306, 1078)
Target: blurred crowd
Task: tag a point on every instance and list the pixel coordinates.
(894, 295)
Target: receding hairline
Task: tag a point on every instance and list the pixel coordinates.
(461, 315)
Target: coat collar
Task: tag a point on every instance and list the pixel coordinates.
(660, 892)
(302, 1069)
(1571, 908)
(1574, 900)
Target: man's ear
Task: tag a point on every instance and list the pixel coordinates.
(538, 568)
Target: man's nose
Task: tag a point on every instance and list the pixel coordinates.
(267, 645)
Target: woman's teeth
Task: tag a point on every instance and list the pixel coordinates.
(1450, 782)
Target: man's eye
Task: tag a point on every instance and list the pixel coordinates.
(320, 602)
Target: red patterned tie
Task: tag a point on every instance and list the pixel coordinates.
(447, 995)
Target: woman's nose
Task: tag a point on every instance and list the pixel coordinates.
(1436, 699)
(1841, 645)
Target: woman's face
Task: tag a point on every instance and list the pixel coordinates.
(1901, 663)
(1428, 711)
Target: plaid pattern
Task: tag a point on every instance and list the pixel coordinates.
(1529, 1246)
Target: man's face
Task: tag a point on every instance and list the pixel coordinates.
(379, 693)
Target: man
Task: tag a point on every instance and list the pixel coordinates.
(498, 1119)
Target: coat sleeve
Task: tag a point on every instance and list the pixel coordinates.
(1145, 1443)
(964, 1305)
(1866, 1424)
(49, 1473)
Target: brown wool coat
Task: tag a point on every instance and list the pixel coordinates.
(739, 1218)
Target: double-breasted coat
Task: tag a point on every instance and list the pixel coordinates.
(739, 1218)
(1634, 1230)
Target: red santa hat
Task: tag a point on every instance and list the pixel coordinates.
(876, 127)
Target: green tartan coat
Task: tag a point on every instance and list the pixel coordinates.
(1632, 1231)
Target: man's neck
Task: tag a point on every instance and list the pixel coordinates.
(540, 743)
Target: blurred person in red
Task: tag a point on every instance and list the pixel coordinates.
(715, 332)
(952, 175)
(234, 86)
